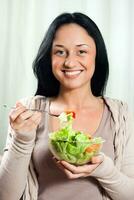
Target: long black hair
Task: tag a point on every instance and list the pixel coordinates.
(48, 85)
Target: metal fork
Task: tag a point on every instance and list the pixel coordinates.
(39, 110)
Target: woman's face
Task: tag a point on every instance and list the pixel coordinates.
(73, 56)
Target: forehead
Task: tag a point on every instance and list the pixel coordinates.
(72, 34)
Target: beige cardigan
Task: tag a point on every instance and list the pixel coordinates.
(116, 178)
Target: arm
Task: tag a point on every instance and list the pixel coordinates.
(119, 184)
(16, 159)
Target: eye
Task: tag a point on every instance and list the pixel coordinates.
(60, 52)
(82, 52)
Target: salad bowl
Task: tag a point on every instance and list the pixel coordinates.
(71, 145)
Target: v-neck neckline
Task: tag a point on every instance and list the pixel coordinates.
(97, 131)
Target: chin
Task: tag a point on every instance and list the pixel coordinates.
(72, 86)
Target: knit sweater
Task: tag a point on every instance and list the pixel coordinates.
(116, 178)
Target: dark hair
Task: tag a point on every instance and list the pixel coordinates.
(48, 85)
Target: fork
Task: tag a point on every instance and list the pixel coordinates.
(39, 110)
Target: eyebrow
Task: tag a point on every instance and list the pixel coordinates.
(78, 45)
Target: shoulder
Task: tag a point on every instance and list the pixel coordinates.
(115, 102)
(116, 106)
(119, 111)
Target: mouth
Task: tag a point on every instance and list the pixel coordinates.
(72, 73)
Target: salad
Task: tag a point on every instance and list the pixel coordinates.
(73, 146)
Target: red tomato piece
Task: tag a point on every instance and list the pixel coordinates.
(72, 113)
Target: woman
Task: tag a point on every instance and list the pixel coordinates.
(72, 72)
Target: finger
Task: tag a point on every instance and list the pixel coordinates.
(16, 112)
(18, 104)
(35, 118)
(25, 115)
(87, 168)
(75, 169)
(70, 175)
(97, 159)
(33, 121)
(27, 124)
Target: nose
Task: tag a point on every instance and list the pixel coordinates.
(71, 61)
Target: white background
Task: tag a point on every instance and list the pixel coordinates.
(23, 24)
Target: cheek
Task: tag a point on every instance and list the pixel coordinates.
(57, 62)
(54, 63)
(90, 62)
(56, 66)
(91, 66)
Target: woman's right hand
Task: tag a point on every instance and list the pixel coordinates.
(24, 122)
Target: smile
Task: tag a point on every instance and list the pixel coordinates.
(73, 73)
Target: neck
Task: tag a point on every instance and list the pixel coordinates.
(77, 99)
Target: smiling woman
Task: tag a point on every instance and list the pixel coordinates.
(72, 71)
(58, 43)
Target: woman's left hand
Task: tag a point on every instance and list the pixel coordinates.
(73, 171)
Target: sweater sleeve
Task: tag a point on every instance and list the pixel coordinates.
(119, 183)
(14, 169)
(14, 165)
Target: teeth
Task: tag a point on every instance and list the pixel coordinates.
(72, 72)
